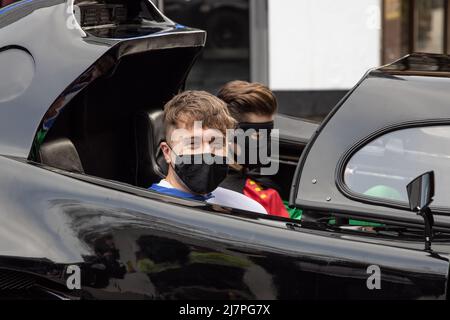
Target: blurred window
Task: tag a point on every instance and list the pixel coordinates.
(383, 168)
(415, 26)
(227, 53)
(447, 27)
(396, 29)
(429, 21)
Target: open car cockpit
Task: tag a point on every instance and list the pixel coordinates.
(112, 128)
(108, 122)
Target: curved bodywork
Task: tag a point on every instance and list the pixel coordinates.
(149, 246)
(409, 93)
(66, 59)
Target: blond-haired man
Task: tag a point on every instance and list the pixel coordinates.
(196, 151)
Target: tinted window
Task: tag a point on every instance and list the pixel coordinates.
(384, 167)
(227, 53)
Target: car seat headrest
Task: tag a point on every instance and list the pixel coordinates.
(149, 133)
(61, 154)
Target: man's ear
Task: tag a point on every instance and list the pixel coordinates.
(166, 152)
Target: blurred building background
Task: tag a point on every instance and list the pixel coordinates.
(310, 52)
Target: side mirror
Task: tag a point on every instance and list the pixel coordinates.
(420, 194)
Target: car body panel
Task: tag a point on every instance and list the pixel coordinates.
(119, 239)
(295, 130)
(386, 99)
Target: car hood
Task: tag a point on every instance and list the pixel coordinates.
(47, 58)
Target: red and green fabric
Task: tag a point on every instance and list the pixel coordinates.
(294, 213)
(381, 191)
(269, 198)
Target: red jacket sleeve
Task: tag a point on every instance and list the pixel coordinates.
(269, 198)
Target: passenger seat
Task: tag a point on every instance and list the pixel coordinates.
(61, 154)
(149, 133)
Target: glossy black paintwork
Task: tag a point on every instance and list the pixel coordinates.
(132, 246)
(133, 243)
(295, 130)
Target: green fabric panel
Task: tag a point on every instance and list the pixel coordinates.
(294, 213)
(384, 192)
(358, 223)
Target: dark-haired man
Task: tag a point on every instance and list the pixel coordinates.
(253, 106)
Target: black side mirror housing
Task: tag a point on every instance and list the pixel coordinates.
(421, 191)
(420, 194)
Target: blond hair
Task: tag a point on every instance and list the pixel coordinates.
(190, 106)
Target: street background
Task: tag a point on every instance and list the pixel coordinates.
(310, 52)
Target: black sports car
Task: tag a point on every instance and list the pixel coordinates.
(82, 86)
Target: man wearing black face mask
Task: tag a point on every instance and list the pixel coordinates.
(196, 149)
(253, 106)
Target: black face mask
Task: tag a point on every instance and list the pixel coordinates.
(199, 176)
(253, 149)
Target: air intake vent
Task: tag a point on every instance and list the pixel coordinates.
(13, 280)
